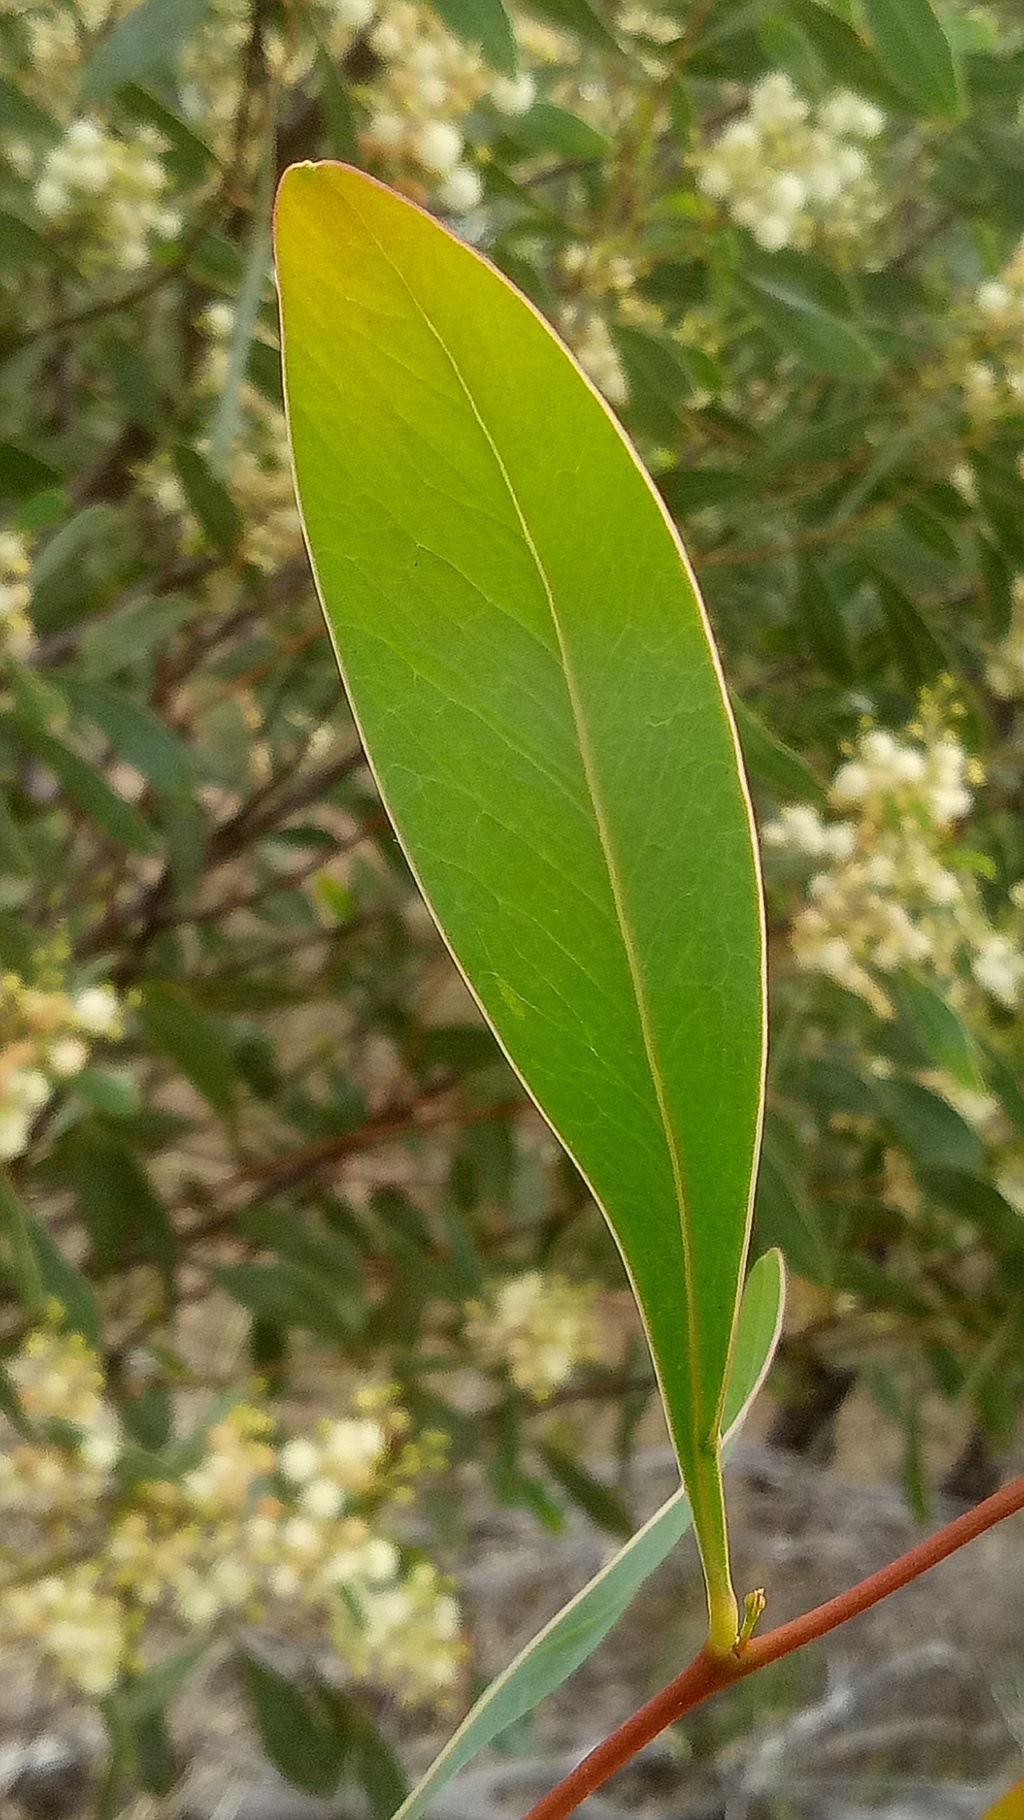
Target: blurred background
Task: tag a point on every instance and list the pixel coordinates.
(321, 1386)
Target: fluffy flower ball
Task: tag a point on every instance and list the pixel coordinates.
(788, 176)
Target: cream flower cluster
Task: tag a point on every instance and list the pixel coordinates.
(644, 22)
(45, 1038)
(428, 83)
(57, 40)
(254, 1531)
(991, 365)
(586, 332)
(211, 65)
(76, 1626)
(885, 895)
(56, 1483)
(597, 282)
(16, 633)
(53, 63)
(262, 488)
(110, 191)
(792, 177)
(1005, 667)
(259, 476)
(539, 1327)
(419, 96)
(58, 1379)
(402, 1631)
(211, 73)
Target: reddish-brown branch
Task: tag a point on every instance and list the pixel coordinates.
(707, 1674)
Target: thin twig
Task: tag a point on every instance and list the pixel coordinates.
(709, 1674)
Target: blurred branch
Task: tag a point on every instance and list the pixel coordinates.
(431, 1111)
(247, 900)
(137, 923)
(108, 306)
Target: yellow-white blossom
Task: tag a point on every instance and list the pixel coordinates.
(16, 634)
(427, 85)
(259, 477)
(402, 1631)
(79, 1628)
(589, 337)
(540, 1327)
(109, 191)
(220, 1544)
(889, 893)
(1005, 667)
(513, 94)
(45, 1037)
(989, 363)
(791, 174)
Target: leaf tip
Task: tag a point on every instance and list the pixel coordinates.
(296, 184)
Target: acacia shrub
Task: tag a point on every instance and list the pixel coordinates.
(788, 255)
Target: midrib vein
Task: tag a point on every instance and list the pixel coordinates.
(604, 838)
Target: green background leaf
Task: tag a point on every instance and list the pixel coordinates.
(547, 128)
(914, 51)
(134, 732)
(182, 1030)
(942, 1035)
(86, 787)
(483, 25)
(807, 307)
(577, 16)
(301, 1730)
(146, 39)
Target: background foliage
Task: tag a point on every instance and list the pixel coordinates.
(236, 1072)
